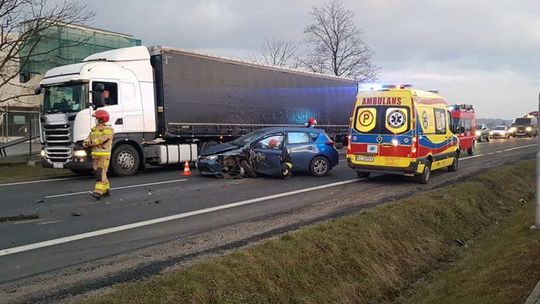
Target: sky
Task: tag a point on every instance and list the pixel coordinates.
(485, 53)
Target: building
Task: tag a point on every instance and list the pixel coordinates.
(58, 45)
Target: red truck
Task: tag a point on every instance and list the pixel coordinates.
(464, 126)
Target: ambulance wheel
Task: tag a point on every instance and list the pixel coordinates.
(320, 166)
(424, 177)
(454, 166)
(125, 160)
(361, 174)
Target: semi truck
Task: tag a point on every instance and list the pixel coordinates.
(167, 105)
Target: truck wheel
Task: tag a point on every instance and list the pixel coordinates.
(125, 160)
(470, 151)
(454, 166)
(361, 174)
(424, 177)
(320, 166)
(81, 172)
(487, 138)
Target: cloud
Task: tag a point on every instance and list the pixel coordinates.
(484, 52)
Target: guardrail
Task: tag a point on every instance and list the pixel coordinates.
(17, 142)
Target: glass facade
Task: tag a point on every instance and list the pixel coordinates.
(67, 44)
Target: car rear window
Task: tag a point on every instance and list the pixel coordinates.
(298, 138)
(382, 119)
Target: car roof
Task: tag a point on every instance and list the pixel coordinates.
(291, 129)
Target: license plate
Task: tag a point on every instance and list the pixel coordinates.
(58, 165)
(364, 158)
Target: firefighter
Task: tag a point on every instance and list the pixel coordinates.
(285, 159)
(100, 141)
(312, 122)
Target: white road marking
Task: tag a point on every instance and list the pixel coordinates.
(118, 188)
(520, 147)
(42, 181)
(91, 234)
(49, 222)
(86, 235)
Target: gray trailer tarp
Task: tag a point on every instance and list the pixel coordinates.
(207, 96)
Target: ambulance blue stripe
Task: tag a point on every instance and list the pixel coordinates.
(425, 142)
(403, 139)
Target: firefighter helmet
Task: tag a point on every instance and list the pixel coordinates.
(102, 116)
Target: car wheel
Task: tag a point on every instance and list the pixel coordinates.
(320, 166)
(424, 177)
(125, 160)
(455, 163)
(361, 174)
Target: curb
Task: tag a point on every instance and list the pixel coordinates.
(534, 298)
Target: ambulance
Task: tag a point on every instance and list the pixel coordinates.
(399, 130)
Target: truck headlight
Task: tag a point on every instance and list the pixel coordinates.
(79, 153)
(478, 133)
(490, 132)
(42, 153)
(512, 129)
(529, 129)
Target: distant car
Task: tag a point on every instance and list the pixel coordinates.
(310, 150)
(482, 133)
(500, 132)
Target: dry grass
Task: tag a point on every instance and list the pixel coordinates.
(370, 257)
(19, 172)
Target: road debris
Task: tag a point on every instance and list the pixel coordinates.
(76, 214)
(20, 217)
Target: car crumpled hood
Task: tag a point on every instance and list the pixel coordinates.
(218, 149)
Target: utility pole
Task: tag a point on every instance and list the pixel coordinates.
(537, 218)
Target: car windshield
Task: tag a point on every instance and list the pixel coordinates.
(66, 98)
(248, 138)
(500, 128)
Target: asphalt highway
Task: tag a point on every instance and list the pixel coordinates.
(159, 205)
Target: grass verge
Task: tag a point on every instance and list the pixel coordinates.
(500, 267)
(22, 172)
(370, 257)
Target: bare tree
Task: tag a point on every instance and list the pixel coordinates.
(337, 44)
(279, 53)
(22, 25)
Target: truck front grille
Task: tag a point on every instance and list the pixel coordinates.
(58, 155)
(58, 142)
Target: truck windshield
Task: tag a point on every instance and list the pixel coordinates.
(523, 121)
(66, 98)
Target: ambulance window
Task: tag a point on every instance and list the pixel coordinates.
(440, 121)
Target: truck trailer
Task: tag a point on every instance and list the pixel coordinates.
(167, 105)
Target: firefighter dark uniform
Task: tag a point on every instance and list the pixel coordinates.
(100, 141)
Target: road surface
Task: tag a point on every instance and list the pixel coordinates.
(159, 206)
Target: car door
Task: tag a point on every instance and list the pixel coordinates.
(268, 154)
(301, 149)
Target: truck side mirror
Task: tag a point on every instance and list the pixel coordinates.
(98, 100)
(38, 90)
